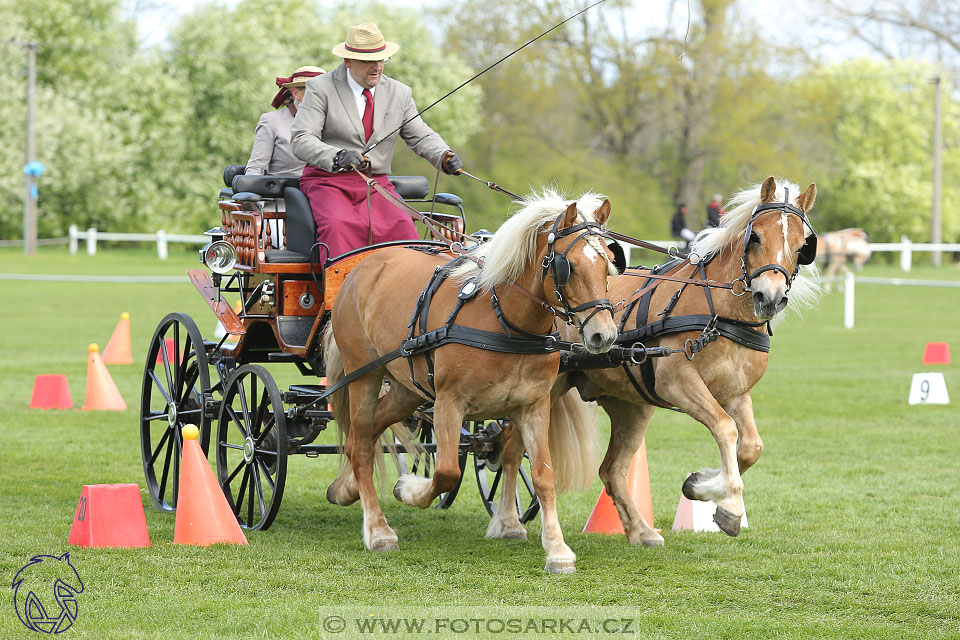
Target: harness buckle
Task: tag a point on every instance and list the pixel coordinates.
(744, 286)
(633, 353)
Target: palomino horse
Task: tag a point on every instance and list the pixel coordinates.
(759, 247)
(546, 260)
(839, 247)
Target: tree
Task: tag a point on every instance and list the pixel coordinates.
(877, 140)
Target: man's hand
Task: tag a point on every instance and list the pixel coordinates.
(345, 158)
(451, 163)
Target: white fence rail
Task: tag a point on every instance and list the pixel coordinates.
(161, 237)
(849, 289)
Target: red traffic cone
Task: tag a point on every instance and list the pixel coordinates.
(109, 515)
(204, 516)
(118, 348)
(604, 517)
(170, 346)
(51, 391)
(102, 392)
(936, 353)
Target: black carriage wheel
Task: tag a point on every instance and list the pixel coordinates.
(174, 383)
(489, 473)
(251, 446)
(422, 464)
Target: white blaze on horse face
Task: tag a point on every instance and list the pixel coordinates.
(784, 224)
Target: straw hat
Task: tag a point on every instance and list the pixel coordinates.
(301, 75)
(365, 42)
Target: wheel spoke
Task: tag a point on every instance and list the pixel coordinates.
(243, 489)
(494, 484)
(237, 470)
(160, 387)
(155, 416)
(235, 419)
(156, 452)
(253, 481)
(259, 483)
(189, 383)
(266, 474)
(166, 469)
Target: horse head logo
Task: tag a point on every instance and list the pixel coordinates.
(32, 597)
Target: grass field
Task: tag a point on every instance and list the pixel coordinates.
(853, 508)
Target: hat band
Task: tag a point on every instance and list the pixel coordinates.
(358, 50)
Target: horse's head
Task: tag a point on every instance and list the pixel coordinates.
(576, 264)
(777, 239)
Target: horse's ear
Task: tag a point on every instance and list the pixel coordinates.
(805, 201)
(570, 216)
(768, 190)
(602, 214)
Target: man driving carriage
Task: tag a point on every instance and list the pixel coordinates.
(342, 115)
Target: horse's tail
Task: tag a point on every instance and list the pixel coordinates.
(573, 441)
(339, 403)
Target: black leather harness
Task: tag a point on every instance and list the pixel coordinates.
(711, 327)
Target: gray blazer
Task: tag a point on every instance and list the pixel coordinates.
(327, 121)
(271, 146)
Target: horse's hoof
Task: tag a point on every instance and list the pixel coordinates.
(513, 535)
(332, 493)
(688, 485)
(728, 522)
(653, 542)
(561, 566)
(385, 545)
(396, 491)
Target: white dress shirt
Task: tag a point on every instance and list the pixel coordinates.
(358, 94)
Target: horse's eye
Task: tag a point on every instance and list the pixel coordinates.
(753, 240)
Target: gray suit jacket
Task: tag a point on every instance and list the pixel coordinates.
(327, 121)
(271, 146)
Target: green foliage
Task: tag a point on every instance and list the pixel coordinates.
(877, 143)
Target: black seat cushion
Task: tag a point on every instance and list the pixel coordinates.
(283, 255)
(268, 186)
(411, 187)
(301, 228)
(231, 171)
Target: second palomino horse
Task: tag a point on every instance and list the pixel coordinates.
(760, 246)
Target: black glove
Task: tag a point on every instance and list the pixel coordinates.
(345, 158)
(451, 163)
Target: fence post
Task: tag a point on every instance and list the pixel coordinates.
(848, 299)
(91, 241)
(162, 244)
(74, 240)
(906, 254)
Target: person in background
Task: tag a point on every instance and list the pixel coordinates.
(345, 112)
(678, 225)
(715, 211)
(271, 153)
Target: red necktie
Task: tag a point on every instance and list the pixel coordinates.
(367, 115)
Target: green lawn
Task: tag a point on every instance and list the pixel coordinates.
(853, 508)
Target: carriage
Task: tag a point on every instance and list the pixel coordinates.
(288, 287)
(263, 252)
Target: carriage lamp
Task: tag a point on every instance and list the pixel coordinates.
(219, 256)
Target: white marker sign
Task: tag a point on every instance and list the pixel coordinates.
(928, 388)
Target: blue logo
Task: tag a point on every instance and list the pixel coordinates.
(45, 593)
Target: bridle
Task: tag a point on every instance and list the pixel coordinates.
(558, 266)
(807, 254)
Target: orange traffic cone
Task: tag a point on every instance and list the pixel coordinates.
(109, 515)
(604, 517)
(118, 348)
(51, 391)
(204, 516)
(102, 392)
(170, 347)
(936, 353)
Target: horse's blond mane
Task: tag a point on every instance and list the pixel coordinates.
(805, 290)
(515, 242)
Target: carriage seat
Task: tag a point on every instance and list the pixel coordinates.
(300, 227)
